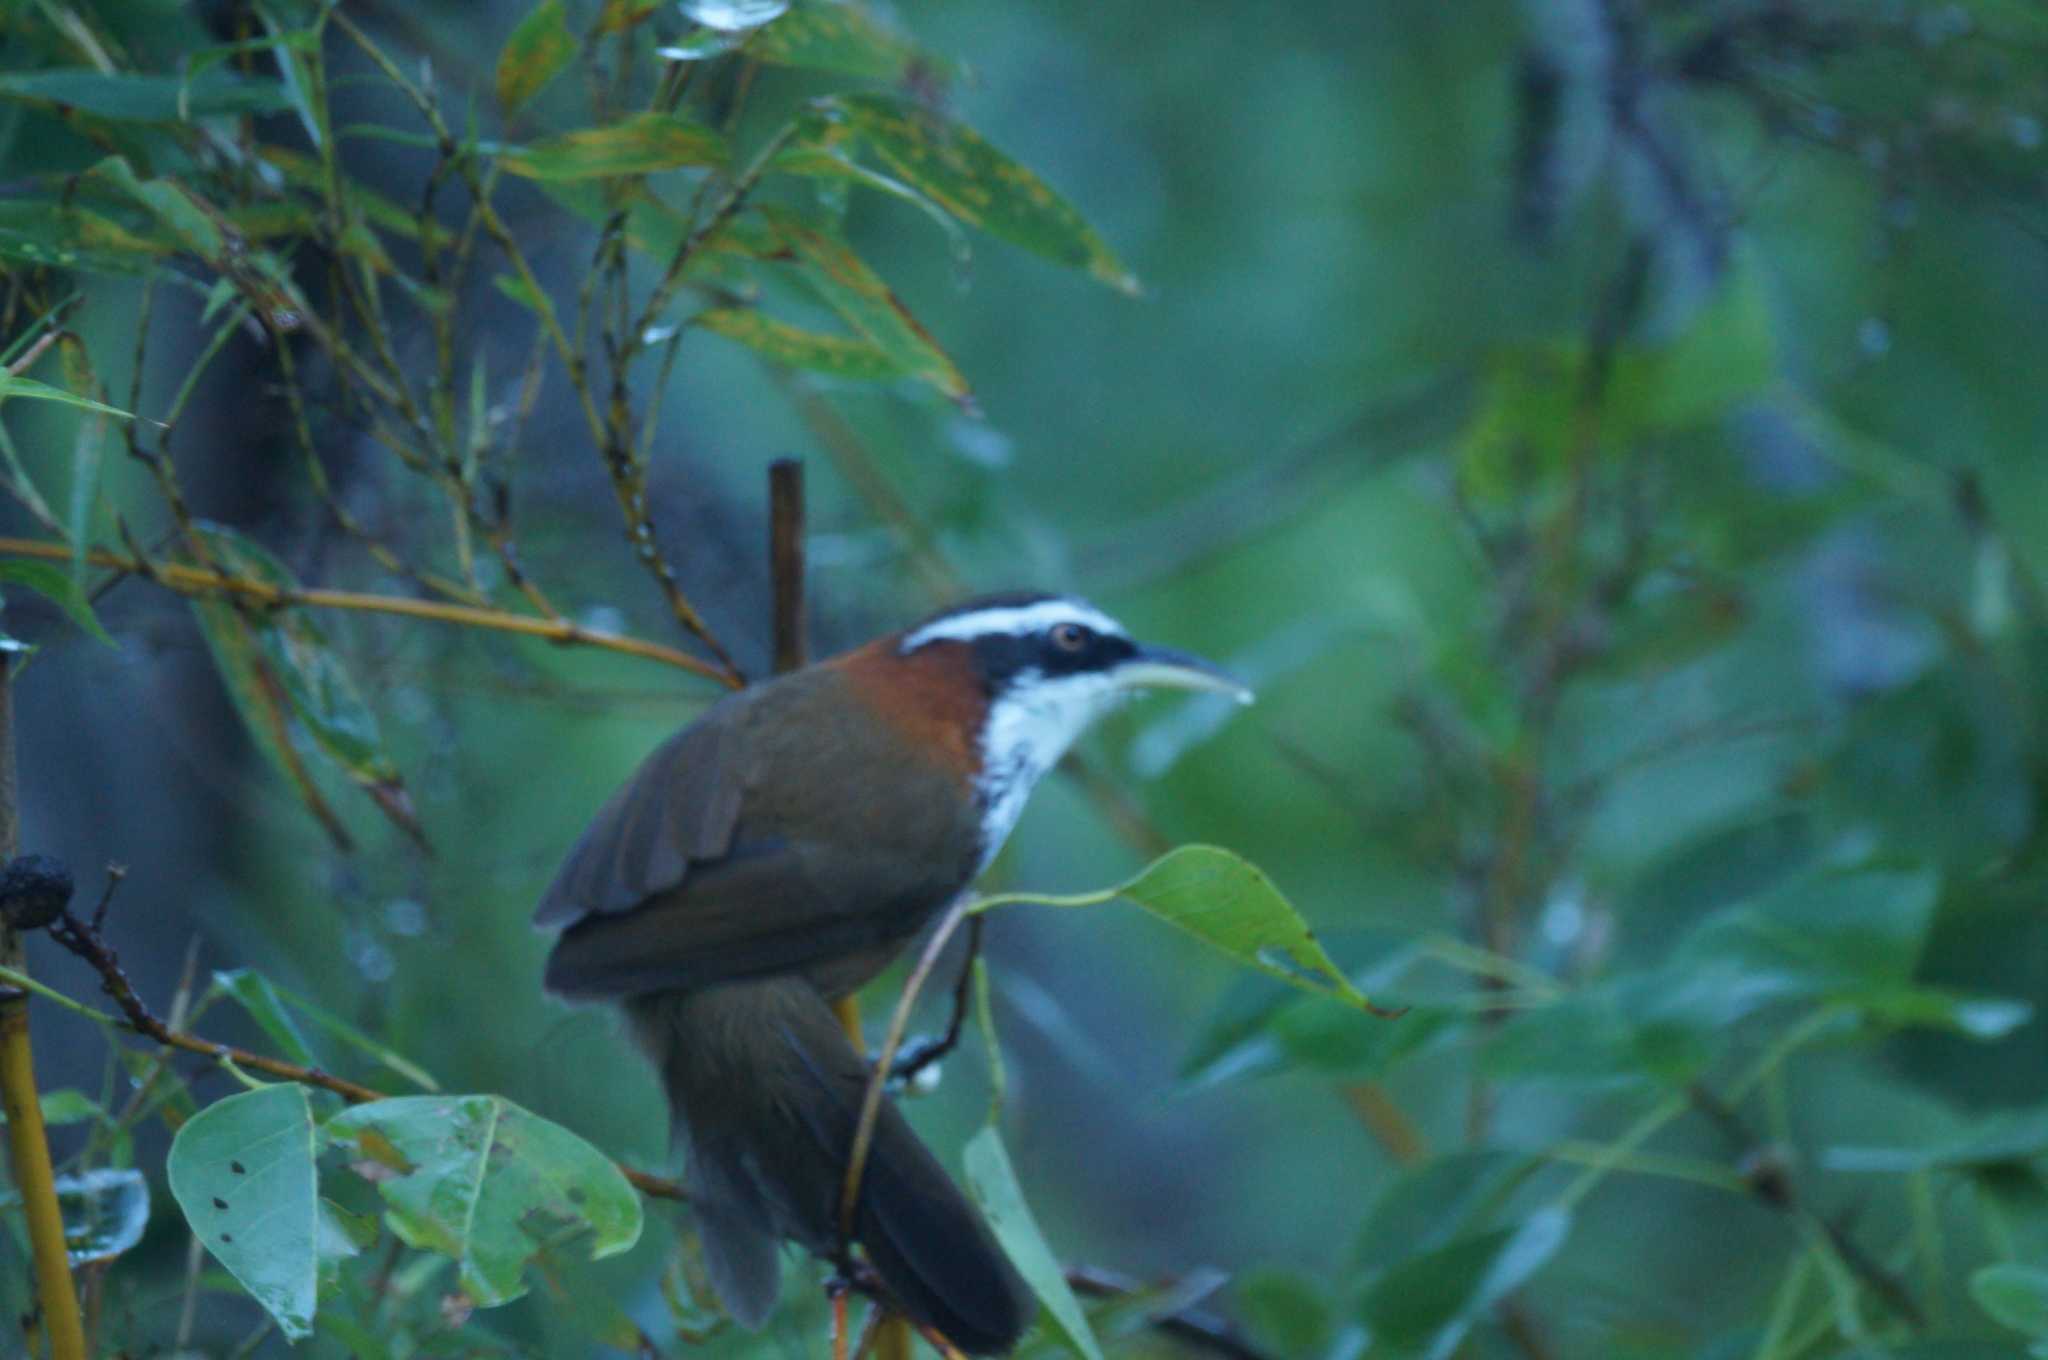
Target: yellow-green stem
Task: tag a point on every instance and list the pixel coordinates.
(28, 1146)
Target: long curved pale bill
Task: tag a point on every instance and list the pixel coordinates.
(1165, 668)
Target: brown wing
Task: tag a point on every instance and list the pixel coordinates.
(766, 910)
(679, 809)
(730, 855)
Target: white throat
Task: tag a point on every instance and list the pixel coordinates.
(1028, 729)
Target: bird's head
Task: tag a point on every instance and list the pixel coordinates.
(1044, 667)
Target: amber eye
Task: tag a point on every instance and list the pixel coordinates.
(1069, 637)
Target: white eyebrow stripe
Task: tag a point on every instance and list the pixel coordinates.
(1016, 620)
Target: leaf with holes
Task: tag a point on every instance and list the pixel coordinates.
(481, 1180)
(242, 1170)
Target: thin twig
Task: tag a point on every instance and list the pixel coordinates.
(899, 1020)
(193, 581)
(82, 940)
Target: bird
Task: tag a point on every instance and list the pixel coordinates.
(772, 857)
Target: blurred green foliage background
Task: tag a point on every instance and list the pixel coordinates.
(1608, 433)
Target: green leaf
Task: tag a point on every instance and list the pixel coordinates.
(538, 51)
(1725, 355)
(1226, 902)
(1840, 935)
(2015, 1295)
(836, 35)
(481, 1180)
(2001, 1139)
(994, 1182)
(14, 388)
(843, 281)
(321, 706)
(1425, 1305)
(842, 356)
(136, 98)
(343, 1032)
(1436, 1202)
(951, 164)
(188, 218)
(1290, 1312)
(58, 586)
(242, 1170)
(253, 992)
(640, 145)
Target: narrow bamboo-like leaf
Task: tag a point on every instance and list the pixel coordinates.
(994, 1182)
(824, 151)
(242, 1170)
(171, 204)
(57, 586)
(13, 388)
(843, 281)
(842, 356)
(841, 36)
(320, 700)
(253, 992)
(640, 145)
(489, 1184)
(343, 1032)
(133, 97)
(954, 166)
(538, 51)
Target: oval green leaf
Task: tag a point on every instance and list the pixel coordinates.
(1229, 903)
(492, 1185)
(2016, 1295)
(242, 1170)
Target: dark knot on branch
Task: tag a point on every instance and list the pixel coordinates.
(34, 891)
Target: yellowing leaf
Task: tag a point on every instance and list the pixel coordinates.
(539, 48)
(640, 145)
(951, 164)
(840, 355)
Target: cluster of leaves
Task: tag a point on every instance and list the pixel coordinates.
(226, 174)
